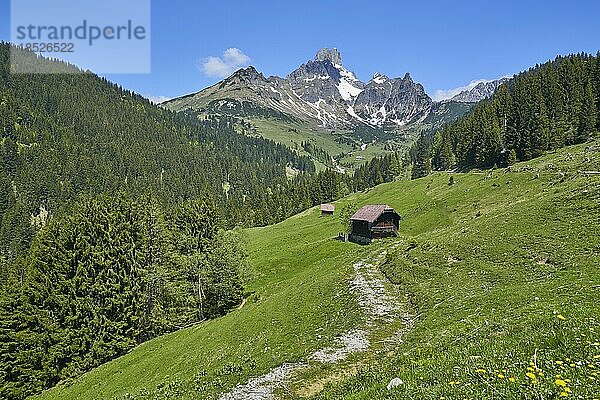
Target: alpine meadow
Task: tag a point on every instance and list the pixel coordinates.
(276, 227)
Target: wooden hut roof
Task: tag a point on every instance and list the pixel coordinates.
(371, 212)
(327, 207)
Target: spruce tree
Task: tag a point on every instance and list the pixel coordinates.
(511, 157)
(422, 163)
(587, 116)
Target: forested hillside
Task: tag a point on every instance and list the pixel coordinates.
(71, 133)
(112, 219)
(547, 107)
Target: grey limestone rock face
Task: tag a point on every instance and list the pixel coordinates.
(332, 55)
(327, 86)
(316, 80)
(242, 76)
(392, 100)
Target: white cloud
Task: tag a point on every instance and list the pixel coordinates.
(221, 67)
(157, 99)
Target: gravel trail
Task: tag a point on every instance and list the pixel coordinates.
(377, 304)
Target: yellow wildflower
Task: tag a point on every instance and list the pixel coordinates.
(560, 316)
(511, 379)
(480, 371)
(501, 376)
(564, 394)
(560, 382)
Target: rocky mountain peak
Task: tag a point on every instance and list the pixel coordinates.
(244, 76)
(249, 72)
(378, 77)
(332, 55)
(407, 77)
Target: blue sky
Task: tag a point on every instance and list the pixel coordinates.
(443, 44)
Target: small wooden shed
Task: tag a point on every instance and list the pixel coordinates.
(327, 209)
(374, 222)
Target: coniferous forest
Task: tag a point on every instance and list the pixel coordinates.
(547, 107)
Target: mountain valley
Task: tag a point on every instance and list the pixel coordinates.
(312, 236)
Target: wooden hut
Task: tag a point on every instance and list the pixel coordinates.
(374, 222)
(327, 209)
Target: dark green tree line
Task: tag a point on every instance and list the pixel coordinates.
(549, 106)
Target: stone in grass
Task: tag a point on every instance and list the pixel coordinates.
(394, 383)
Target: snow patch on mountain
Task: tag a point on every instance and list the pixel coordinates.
(350, 111)
(379, 78)
(345, 73)
(347, 91)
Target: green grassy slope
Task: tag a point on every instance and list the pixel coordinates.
(298, 288)
(489, 264)
(346, 146)
(292, 135)
(506, 292)
(342, 144)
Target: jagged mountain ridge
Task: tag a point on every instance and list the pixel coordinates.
(321, 91)
(481, 91)
(392, 101)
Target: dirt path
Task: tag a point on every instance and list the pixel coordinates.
(374, 299)
(378, 305)
(242, 304)
(262, 387)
